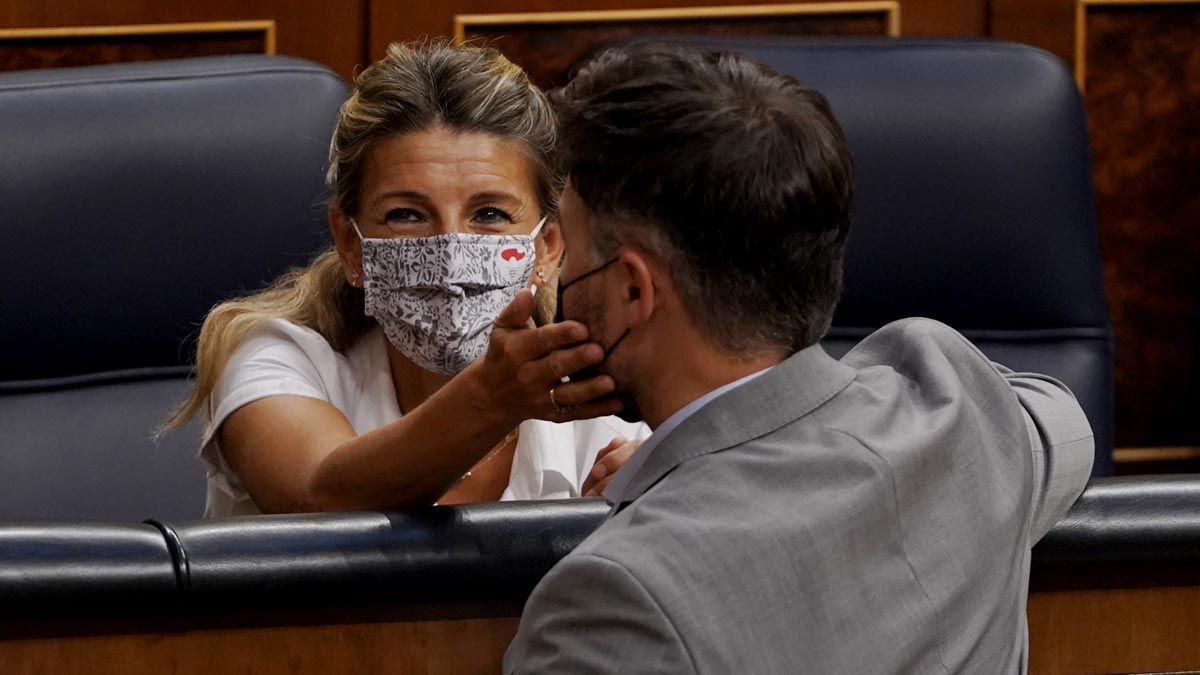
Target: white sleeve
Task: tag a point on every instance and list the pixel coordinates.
(271, 362)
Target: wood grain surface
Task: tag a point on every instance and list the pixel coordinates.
(1143, 101)
(1113, 630)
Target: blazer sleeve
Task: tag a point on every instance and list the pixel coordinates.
(590, 615)
(1062, 444)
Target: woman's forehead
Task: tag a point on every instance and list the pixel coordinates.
(449, 163)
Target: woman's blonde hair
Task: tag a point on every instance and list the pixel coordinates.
(415, 86)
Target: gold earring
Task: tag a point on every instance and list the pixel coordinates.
(541, 275)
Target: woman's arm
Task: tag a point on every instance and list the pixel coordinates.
(301, 454)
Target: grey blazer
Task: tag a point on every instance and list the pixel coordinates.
(868, 515)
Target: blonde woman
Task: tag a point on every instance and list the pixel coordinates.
(410, 363)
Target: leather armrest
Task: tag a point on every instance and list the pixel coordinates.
(479, 552)
(61, 565)
(1134, 530)
(1124, 531)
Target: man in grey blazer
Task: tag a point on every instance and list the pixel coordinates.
(791, 513)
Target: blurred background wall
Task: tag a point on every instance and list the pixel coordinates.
(1137, 61)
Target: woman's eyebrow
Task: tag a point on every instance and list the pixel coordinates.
(494, 196)
(407, 194)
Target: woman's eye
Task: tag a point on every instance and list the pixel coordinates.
(490, 215)
(403, 215)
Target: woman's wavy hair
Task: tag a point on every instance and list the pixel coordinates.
(415, 86)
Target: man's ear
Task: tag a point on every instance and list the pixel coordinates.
(550, 246)
(349, 247)
(638, 290)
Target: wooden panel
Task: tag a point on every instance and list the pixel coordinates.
(1078, 631)
(1114, 631)
(27, 49)
(1141, 66)
(332, 33)
(449, 647)
(393, 20)
(547, 44)
(1042, 23)
(1156, 460)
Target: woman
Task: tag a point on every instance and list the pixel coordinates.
(374, 378)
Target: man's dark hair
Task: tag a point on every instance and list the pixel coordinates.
(737, 175)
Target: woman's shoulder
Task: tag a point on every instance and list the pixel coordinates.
(281, 357)
(275, 354)
(281, 343)
(284, 336)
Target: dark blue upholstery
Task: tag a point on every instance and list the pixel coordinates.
(973, 200)
(135, 197)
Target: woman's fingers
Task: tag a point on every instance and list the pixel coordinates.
(518, 312)
(554, 366)
(597, 489)
(578, 393)
(530, 344)
(607, 464)
(615, 443)
(523, 369)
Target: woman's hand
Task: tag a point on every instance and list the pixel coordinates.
(520, 376)
(610, 458)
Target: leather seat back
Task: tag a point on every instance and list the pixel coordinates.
(973, 200)
(136, 197)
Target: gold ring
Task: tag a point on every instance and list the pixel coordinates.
(557, 407)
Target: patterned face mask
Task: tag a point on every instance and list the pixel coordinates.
(437, 297)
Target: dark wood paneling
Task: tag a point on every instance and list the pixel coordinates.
(435, 647)
(332, 33)
(1143, 101)
(393, 20)
(27, 53)
(1049, 24)
(547, 51)
(1086, 630)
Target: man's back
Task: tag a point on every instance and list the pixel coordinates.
(868, 515)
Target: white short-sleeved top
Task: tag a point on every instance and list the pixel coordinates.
(282, 358)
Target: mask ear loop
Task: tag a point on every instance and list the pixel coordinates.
(538, 230)
(361, 239)
(533, 288)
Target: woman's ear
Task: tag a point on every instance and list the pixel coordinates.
(348, 244)
(550, 247)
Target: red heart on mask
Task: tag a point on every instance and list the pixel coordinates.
(511, 254)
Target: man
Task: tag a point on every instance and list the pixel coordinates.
(790, 513)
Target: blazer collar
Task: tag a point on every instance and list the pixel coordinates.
(782, 395)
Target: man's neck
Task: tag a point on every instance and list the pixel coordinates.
(687, 374)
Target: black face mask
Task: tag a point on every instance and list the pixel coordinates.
(630, 412)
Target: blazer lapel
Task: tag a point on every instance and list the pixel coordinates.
(787, 392)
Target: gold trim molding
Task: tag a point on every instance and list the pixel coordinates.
(891, 8)
(1081, 7)
(266, 27)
